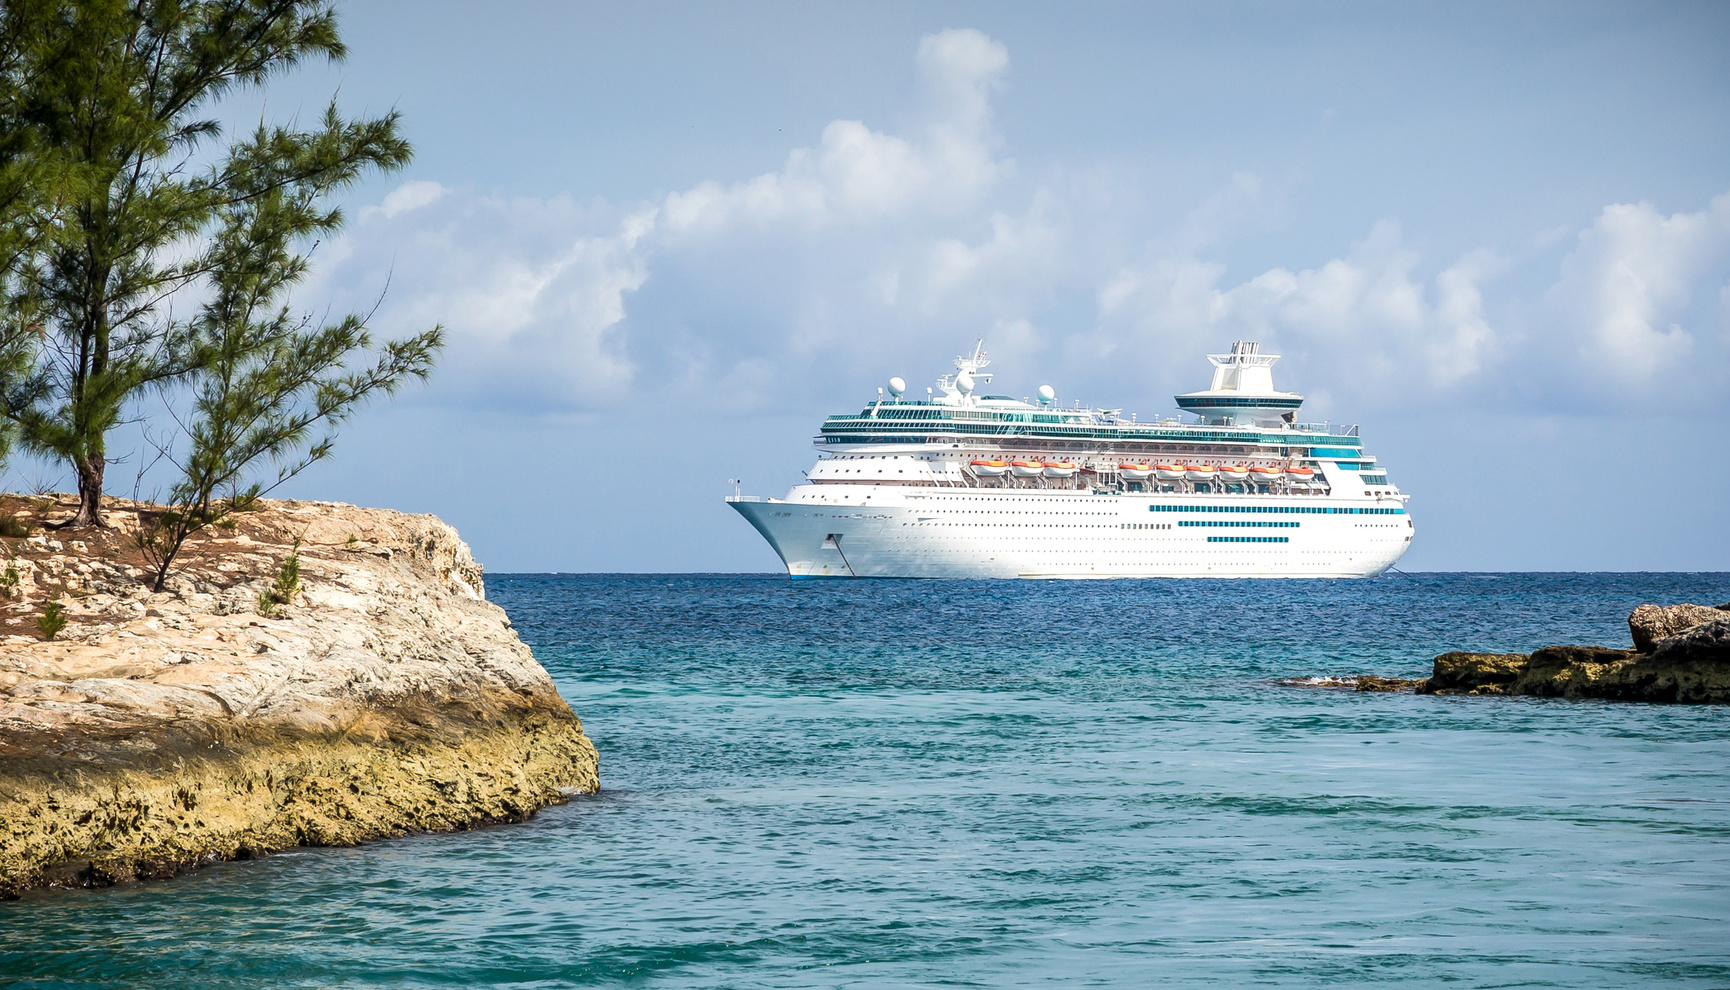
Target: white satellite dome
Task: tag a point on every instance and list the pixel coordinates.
(897, 386)
(964, 382)
(1047, 393)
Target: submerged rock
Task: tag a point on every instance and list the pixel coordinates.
(1650, 623)
(160, 731)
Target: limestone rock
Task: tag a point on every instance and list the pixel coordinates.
(1473, 673)
(163, 730)
(1650, 623)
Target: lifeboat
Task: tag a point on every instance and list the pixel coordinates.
(1300, 473)
(1135, 472)
(1233, 472)
(1169, 472)
(990, 469)
(1059, 469)
(1026, 469)
(1265, 475)
(1199, 472)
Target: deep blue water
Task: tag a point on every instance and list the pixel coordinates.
(1011, 784)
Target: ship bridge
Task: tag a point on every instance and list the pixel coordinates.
(1242, 393)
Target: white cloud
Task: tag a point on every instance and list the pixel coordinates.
(1630, 282)
(1366, 319)
(856, 175)
(872, 250)
(411, 196)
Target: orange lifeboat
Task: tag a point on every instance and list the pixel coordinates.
(1199, 472)
(1026, 469)
(1169, 472)
(990, 469)
(1135, 472)
(1059, 469)
(1300, 473)
(1233, 472)
(1265, 475)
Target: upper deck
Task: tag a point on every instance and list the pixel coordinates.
(916, 422)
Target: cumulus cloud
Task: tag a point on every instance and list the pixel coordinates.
(870, 249)
(1368, 316)
(1631, 281)
(856, 175)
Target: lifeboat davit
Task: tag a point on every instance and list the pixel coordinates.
(1135, 472)
(1299, 473)
(1026, 469)
(1059, 469)
(1169, 472)
(1199, 472)
(1233, 472)
(990, 469)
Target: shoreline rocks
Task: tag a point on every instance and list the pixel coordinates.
(1682, 656)
(161, 731)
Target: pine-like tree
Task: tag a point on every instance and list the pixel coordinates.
(112, 97)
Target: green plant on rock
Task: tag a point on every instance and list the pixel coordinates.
(272, 600)
(10, 577)
(15, 528)
(53, 620)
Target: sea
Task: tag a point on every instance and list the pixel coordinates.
(1011, 784)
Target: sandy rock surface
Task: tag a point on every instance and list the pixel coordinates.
(388, 695)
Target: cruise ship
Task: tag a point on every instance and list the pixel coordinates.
(964, 484)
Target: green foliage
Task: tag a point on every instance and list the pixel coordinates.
(286, 588)
(52, 620)
(14, 527)
(103, 106)
(9, 578)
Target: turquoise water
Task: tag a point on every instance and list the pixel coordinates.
(1011, 784)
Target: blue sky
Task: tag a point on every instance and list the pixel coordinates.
(667, 239)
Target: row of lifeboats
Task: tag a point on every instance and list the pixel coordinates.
(1142, 472)
(1205, 472)
(1024, 469)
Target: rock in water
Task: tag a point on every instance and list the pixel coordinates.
(160, 731)
(1473, 673)
(1650, 623)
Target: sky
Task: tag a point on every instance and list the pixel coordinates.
(667, 239)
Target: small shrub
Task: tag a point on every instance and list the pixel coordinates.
(287, 586)
(52, 621)
(352, 541)
(15, 528)
(9, 580)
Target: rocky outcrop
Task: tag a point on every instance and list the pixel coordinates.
(159, 731)
(1650, 623)
(1692, 667)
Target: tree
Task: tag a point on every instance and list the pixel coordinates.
(114, 99)
(30, 192)
(266, 380)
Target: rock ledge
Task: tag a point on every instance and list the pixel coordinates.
(161, 731)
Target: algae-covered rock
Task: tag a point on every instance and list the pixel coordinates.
(1473, 673)
(1649, 624)
(1571, 672)
(159, 731)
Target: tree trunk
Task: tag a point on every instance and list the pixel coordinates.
(89, 492)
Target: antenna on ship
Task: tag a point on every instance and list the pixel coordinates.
(735, 482)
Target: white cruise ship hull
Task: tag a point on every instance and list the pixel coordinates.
(891, 531)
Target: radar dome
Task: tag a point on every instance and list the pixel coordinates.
(964, 382)
(1047, 393)
(896, 387)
